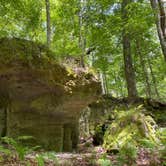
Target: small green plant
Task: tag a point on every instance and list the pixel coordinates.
(162, 135)
(51, 156)
(146, 143)
(163, 155)
(104, 161)
(92, 162)
(127, 154)
(17, 145)
(4, 152)
(162, 150)
(156, 153)
(40, 160)
(28, 163)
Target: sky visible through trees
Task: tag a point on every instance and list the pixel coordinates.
(123, 40)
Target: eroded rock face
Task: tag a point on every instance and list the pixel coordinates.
(39, 97)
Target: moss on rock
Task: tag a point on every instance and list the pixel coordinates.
(40, 95)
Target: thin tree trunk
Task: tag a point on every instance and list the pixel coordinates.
(102, 83)
(81, 38)
(105, 82)
(83, 52)
(148, 87)
(47, 3)
(128, 63)
(160, 16)
(153, 79)
(121, 87)
(117, 79)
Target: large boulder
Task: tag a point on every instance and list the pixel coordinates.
(39, 97)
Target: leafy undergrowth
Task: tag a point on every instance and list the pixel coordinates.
(132, 139)
(131, 126)
(145, 157)
(88, 156)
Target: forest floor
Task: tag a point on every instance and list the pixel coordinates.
(88, 154)
(92, 156)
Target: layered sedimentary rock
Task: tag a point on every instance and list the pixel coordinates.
(39, 97)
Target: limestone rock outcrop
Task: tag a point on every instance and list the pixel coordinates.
(39, 97)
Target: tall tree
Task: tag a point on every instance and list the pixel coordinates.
(153, 79)
(82, 29)
(128, 63)
(160, 16)
(47, 2)
(144, 69)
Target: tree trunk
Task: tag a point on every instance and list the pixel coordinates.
(160, 19)
(153, 79)
(102, 83)
(47, 2)
(81, 37)
(128, 64)
(105, 82)
(146, 77)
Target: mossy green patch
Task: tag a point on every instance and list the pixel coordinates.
(130, 126)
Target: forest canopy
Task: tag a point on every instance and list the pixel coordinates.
(123, 40)
(83, 82)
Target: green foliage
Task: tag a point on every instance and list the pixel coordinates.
(146, 143)
(17, 145)
(163, 155)
(79, 25)
(51, 156)
(28, 163)
(162, 149)
(131, 126)
(4, 150)
(21, 151)
(40, 160)
(20, 18)
(104, 161)
(127, 154)
(162, 135)
(98, 135)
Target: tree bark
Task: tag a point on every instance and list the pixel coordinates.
(81, 37)
(160, 19)
(146, 77)
(105, 82)
(47, 3)
(153, 79)
(128, 63)
(102, 83)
